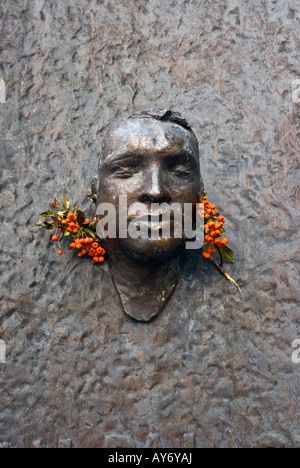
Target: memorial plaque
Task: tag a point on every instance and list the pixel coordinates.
(166, 353)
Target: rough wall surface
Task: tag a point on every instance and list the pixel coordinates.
(215, 368)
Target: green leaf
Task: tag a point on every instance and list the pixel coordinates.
(50, 227)
(40, 224)
(227, 254)
(67, 201)
(80, 217)
(92, 195)
(92, 234)
(60, 214)
(66, 233)
(46, 213)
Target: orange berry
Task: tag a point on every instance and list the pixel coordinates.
(54, 238)
(75, 231)
(224, 241)
(101, 259)
(95, 245)
(86, 221)
(84, 252)
(95, 220)
(60, 252)
(80, 255)
(96, 259)
(206, 255)
(72, 217)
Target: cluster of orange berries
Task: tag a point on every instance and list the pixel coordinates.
(70, 224)
(89, 247)
(213, 228)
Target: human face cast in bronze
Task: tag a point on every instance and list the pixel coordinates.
(149, 161)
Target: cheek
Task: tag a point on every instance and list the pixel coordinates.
(186, 194)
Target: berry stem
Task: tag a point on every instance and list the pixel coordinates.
(229, 277)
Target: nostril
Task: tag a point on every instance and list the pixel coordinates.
(155, 198)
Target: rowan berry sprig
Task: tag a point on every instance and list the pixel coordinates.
(66, 221)
(213, 232)
(214, 242)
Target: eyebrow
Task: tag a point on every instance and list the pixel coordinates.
(128, 154)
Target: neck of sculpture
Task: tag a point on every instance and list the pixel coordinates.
(144, 288)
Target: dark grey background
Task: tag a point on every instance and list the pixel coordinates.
(215, 368)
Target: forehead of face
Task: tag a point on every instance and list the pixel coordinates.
(147, 137)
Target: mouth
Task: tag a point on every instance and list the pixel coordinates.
(154, 226)
(154, 217)
(153, 229)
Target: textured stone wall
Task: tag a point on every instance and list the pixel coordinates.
(215, 368)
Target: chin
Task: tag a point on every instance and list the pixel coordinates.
(151, 250)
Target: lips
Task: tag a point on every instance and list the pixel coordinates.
(155, 226)
(153, 216)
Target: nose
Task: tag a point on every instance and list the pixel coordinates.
(155, 188)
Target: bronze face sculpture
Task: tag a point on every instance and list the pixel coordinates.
(150, 157)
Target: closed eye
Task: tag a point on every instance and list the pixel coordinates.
(181, 170)
(125, 169)
(182, 165)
